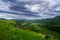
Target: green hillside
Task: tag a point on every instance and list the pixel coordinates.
(27, 30)
(8, 32)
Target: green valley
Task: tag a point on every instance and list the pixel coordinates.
(30, 29)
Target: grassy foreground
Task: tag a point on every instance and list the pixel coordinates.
(9, 32)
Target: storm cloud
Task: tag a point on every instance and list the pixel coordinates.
(29, 9)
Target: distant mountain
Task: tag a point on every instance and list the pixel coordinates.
(2, 19)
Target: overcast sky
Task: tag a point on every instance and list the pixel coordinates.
(29, 9)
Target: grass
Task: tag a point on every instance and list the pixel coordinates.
(8, 32)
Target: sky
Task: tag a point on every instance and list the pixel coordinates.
(29, 9)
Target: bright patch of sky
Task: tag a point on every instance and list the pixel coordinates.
(33, 8)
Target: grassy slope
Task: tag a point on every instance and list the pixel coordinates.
(8, 32)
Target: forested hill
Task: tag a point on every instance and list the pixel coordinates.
(57, 18)
(50, 23)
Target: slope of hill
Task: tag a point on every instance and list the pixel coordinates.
(30, 30)
(8, 32)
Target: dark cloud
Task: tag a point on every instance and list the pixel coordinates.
(31, 15)
(13, 1)
(20, 7)
(43, 9)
